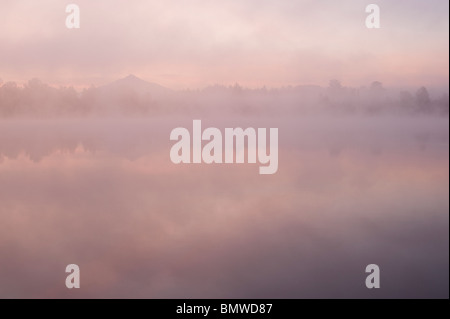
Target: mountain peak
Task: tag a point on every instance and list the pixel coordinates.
(132, 80)
(138, 85)
(132, 77)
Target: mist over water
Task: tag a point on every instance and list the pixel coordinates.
(358, 94)
(101, 192)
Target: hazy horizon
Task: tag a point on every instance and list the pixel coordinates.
(89, 172)
(193, 44)
(434, 90)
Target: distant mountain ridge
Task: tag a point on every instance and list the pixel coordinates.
(132, 82)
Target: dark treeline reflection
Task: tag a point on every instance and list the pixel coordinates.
(133, 138)
(132, 96)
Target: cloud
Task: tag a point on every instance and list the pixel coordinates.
(199, 43)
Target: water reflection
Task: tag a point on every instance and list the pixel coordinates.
(104, 194)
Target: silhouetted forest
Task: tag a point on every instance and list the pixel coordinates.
(133, 96)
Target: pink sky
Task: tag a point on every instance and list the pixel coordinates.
(195, 43)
